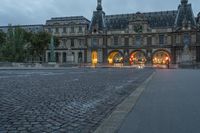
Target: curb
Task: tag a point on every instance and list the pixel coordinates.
(114, 121)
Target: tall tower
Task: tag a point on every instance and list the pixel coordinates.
(98, 19)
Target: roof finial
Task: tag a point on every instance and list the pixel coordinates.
(184, 2)
(99, 6)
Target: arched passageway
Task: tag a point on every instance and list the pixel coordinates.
(115, 57)
(161, 57)
(137, 57)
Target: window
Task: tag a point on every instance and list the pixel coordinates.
(177, 39)
(126, 41)
(94, 42)
(80, 42)
(72, 42)
(116, 41)
(64, 43)
(64, 30)
(161, 39)
(80, 29)
(80, 57)
(149, 40)
(138, 40)
(186, 39)
(72, 30)
(64, 57)
(57, 30)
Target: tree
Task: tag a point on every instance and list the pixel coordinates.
(39, 43)
(19, 46)
(2, 41)
(14, 47)
(2, 37)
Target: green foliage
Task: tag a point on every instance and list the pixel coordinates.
(18, 45)
(39, 42)
(2, 37)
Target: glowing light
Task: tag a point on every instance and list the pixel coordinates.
(94, 57)
(110, 61)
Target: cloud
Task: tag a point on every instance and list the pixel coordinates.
(38, 11)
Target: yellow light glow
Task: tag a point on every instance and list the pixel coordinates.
(94, 57)
(112, 57)
(161, 57)
(110, 61)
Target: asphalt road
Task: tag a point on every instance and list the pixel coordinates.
(63, 101)
(170, 104)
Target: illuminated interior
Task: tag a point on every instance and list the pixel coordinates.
(161, 57)
(137, 57)
(94, 57)
(115, 57)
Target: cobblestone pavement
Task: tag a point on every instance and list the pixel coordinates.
(72, 100)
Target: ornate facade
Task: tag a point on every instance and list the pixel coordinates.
(153, 37)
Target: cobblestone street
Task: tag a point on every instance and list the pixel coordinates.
(71, 100)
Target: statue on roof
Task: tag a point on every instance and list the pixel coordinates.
(99, 5)
(184, 2)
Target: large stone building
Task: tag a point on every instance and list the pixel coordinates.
(153, 37)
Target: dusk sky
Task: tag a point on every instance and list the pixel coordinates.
(38, 11)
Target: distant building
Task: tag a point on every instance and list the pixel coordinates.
(153, 37)
(28, 28)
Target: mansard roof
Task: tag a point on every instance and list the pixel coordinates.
(68, 20)
(154, 19)
(185, 15)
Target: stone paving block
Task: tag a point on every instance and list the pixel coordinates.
(59, 103)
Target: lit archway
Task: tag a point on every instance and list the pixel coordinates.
(94, 57)
(137, 57)
(161, 57)
(115, 57)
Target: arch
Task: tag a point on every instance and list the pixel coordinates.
(94, 57)
(161, 57)
(115, 56)
(137, 57)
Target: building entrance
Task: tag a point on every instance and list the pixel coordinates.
(115, 57)
(161, 58)
(137, 57)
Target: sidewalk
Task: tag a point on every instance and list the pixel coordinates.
(169, 104)
(112, 123)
